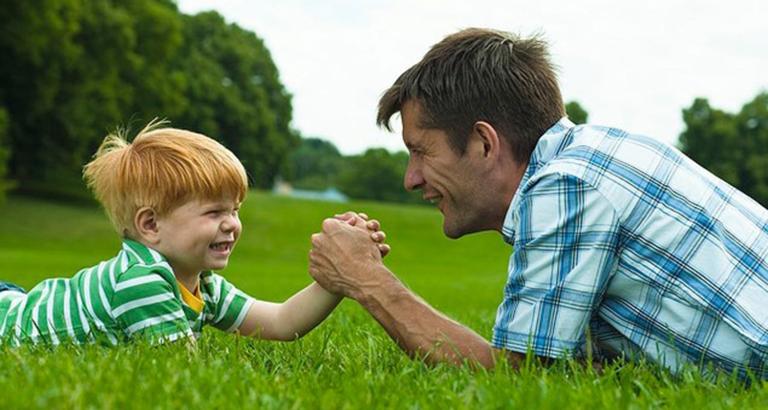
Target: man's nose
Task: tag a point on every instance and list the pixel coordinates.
(413, 179)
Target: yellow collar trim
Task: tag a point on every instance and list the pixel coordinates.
(193, 300)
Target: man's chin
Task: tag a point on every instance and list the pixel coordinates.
(452, 231)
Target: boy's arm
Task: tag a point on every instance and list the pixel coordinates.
(291, 319)
(303, 311)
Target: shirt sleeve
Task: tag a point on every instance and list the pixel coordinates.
(566, 243)
(145, 304)
(230, 305)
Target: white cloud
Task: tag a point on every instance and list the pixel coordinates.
(633, 65)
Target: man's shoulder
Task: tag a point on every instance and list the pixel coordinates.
(599, 154)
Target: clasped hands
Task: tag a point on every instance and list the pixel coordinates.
(346, 252)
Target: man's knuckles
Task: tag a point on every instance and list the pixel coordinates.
(331, 225)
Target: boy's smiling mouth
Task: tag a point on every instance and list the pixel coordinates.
(224, 246)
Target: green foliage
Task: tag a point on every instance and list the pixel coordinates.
(731, 146)
(234, 94)
(576, 112)
(73, 70)
(377, 175)
(3, 152)
(315, 165)
(347, 362)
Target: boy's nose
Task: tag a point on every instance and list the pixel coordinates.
(230, 224)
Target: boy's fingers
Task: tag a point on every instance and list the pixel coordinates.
(346, 216)
(352, 218)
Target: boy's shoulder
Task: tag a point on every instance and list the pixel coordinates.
(137, 261)
(217, 289)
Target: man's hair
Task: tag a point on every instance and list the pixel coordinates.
(162, 168)
(481, 75)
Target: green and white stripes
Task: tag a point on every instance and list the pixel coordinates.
(133, 294)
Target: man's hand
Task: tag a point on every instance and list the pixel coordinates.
(346, 260)
(344, 256)
(373, 226)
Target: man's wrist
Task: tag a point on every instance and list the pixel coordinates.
(382, 282)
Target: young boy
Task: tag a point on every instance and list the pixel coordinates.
(173, 196)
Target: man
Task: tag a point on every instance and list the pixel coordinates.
(621, 243)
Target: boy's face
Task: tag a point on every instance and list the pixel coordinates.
(199, 235)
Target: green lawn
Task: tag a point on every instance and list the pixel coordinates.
(346, 362)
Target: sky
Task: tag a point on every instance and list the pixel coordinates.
(633, 65)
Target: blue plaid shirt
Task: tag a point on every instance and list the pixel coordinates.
(623, 241)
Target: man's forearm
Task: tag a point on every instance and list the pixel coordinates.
(419, 329)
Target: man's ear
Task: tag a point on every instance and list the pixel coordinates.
(145, 223)
(488, 140)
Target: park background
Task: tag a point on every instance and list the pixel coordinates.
(73, 70)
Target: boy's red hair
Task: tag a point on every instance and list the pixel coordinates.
(162, 168)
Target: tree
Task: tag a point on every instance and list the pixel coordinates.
(576, 113)
(76, 69)
(732, 146)
(752, 125)
(73, 70)
(377, 174)
(234, 94)
(315, 164)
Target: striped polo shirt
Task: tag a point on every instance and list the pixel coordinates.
(134, 294)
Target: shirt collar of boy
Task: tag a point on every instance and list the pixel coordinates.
(139, 253)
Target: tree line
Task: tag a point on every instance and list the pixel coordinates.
(73, 70)
(732, 146)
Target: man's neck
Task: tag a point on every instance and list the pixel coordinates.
(510, 182)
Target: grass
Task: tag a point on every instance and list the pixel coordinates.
(347, 362)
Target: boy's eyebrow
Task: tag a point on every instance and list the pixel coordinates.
(221, 203)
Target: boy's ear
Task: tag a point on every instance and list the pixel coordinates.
(145, 223)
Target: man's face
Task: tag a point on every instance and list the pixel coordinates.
(452, 182)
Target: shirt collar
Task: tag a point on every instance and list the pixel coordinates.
(140, 252)
(550, 144)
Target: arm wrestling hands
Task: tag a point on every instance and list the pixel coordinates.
(346, 259)
(300, 313)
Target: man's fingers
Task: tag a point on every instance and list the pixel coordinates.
(379, 236)
(384, 249)
(363, 215)
(373, 225)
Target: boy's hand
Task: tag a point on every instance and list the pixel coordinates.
(361, 220)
